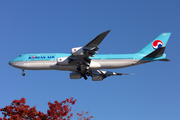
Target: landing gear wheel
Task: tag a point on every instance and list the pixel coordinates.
(23, 74)
(85, 77)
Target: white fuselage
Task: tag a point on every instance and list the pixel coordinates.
(94, 65)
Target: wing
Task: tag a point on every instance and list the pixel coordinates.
(96, 41)
(99, 75)
(91, 48)
(80, 55)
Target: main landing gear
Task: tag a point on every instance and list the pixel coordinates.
(84, 70)
(85, 77)
(23, 74)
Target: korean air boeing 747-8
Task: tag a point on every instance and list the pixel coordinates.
(82, 61)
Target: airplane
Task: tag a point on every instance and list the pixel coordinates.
(82, 62)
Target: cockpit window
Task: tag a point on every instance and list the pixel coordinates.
(19, 55)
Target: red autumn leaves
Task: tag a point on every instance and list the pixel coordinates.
(57, 111)
(84, 116)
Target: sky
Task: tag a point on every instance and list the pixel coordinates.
(56, 26)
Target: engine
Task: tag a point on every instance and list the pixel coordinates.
(97, 77)
(84, 51)
(63, 61)
(75, 75)
(77, 51)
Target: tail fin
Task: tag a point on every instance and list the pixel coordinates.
(156, 47)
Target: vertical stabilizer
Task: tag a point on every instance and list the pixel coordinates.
(156, 44)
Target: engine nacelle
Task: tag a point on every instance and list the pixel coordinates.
(63, 61)
(75, 75)
(97, 77)
(77, 51)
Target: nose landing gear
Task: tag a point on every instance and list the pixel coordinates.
(23, 74)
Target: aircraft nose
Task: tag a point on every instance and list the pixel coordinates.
(10, 63)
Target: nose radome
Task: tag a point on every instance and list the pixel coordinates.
(10, 63)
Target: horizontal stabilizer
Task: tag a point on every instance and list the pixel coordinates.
(122, 74)
(166, 60)
(157, 53)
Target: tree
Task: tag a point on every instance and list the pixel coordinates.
(57, 111)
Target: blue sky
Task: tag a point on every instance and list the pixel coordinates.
(45, 26)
